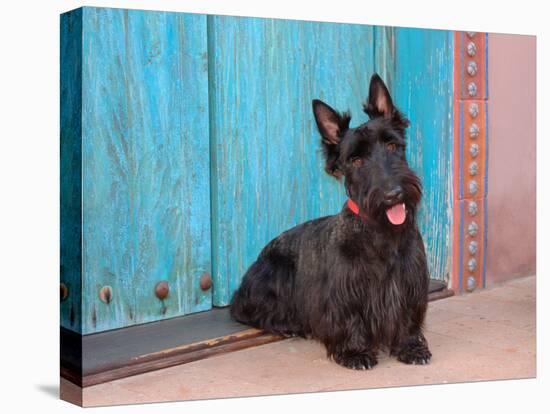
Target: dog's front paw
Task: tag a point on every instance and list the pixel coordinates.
(359, 361)
(415, 353)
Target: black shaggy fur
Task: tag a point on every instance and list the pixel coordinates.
(357, 283)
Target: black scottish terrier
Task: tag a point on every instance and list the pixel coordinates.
(357, 281)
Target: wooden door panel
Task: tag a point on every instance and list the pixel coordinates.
(267, 170)
(145, 166)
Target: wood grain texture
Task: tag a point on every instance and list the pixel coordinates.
(266, 72)
(384, 54)
(267, 168)
(145, 149)
(71, 168)
(195, 128)
(423, 90)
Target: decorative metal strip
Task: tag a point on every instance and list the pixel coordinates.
(470, 166)
(473, 65)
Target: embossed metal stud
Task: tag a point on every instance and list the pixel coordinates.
(472, 187)
(474, 150)
(472, 264)
(471, 34)
(472, 208)
(474, 131)
(205, 281)
(64, 291)
(471, 284)
(471, 68)
(473, 110)
(106, 294)
(471, 49)
(472, 168)
(472, 89)
(472, 247)
(162, 289)
(472, 229)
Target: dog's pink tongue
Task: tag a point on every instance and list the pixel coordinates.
(397, 214)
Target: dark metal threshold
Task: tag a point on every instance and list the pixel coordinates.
(106, 356)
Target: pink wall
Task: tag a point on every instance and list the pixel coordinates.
(511, 187)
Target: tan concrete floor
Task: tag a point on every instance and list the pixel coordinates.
(486, 335)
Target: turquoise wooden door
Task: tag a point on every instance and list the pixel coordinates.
(145, 197)
(188, 143)
(267, 168)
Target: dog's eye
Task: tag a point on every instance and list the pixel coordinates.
(357, 162)
(391, 146)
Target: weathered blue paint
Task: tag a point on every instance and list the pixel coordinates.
(267, 168)
(263, 72)
(423, 89)
(145, 165)
(70, 167)
(238, 144)
(195, 128)
(384, 54)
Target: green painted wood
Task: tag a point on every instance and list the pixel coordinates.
(70, 168)
(267, 168)
(145, 166)
(419, 63)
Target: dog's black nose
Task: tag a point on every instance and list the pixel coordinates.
(394, 196)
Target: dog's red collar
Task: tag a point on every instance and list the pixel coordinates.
(353, 206)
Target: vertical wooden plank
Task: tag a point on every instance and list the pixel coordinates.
(71, 168)
(146, 200)
(423, 90)
(238, 77)
(267, 171)
(384, 54)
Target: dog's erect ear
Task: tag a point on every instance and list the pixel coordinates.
(330, 123)
(380, 104)
(332, 127)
